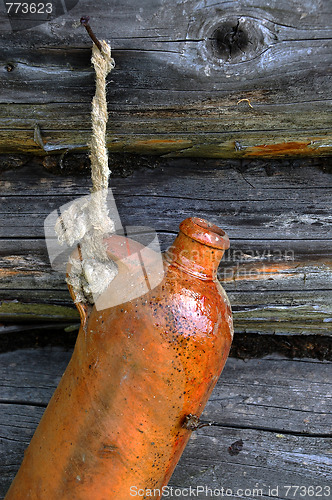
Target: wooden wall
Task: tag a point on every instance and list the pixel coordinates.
(192, 78)
(278, 409)
(277, 214)
(229, 101)
(232, 80)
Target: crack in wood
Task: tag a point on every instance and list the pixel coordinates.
(13, 402)
(273, 430)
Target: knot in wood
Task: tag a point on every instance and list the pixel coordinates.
(230, 40)
(227, 38)
(235, 40)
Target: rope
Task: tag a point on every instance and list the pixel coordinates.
(87, 220)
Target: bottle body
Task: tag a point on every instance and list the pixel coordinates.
(115, 423)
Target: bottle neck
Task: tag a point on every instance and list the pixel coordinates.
(198, 249)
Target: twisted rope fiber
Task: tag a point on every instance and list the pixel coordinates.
(87, 221)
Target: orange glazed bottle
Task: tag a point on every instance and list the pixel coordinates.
(114, 426)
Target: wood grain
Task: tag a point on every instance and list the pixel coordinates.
(260, 89)
(278, 407)
(277, 272)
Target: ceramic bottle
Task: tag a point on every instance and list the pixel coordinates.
(115, 424)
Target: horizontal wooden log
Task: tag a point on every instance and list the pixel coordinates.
(192, 78)
(277, 272)
(274, 208)
(279, 408)
(241, 278)
(310, 315)
(18, 312)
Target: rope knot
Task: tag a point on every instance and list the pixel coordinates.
(88, 221)
(102, 60)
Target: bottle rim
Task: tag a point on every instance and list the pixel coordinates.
(205, 232)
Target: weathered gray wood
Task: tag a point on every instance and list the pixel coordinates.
(285, 313)
(277, 394)
(277, 272)
(173, 91)
(226, 179)
(268, 460)
(273, 210)
(18, 423)
(237, 274)
(280, 408)
(248, 391)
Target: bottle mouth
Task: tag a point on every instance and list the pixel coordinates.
(205, 232)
